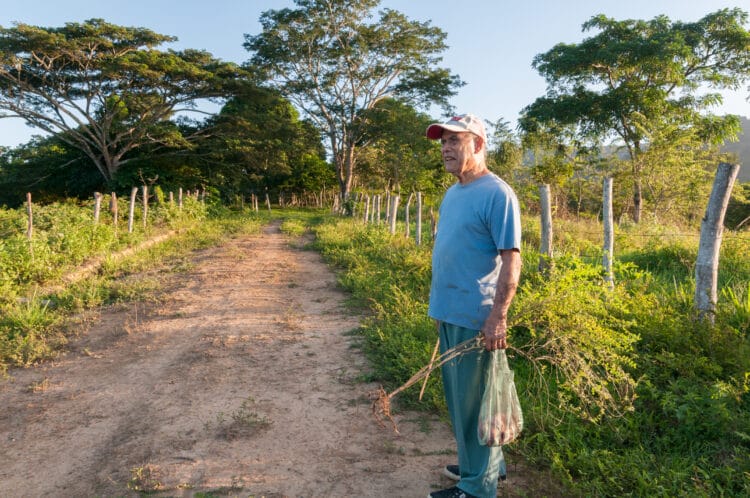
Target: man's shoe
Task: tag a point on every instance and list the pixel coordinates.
(453, 472)
(453, 492)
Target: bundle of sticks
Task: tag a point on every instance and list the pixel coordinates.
(381, 405)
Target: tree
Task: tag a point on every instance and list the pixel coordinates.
(334, 64)
(397, 154)
(635, 76)
(104, 89)
(258, 142)
(505, 154)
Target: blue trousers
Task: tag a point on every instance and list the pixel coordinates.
(463, 381)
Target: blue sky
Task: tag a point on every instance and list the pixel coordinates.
(491, 43)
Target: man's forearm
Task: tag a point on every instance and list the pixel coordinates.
(507, 283)
(495, 327)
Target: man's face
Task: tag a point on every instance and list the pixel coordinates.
(458, 150)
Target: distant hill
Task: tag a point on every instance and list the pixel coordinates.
(742, 149)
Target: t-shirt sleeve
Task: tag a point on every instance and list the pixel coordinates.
(505, 220)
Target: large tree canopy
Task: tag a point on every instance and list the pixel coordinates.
(635, 77)
(101, 88)
(258, 143)
(334, 60)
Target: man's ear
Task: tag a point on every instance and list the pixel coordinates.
(478, 144)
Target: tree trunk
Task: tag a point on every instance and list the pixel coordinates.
(712, 227)
(345, 171)
(545, 207)
(609, 232)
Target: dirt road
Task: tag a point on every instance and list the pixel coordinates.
(241, 380)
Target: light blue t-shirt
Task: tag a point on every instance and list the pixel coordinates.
(476, 221)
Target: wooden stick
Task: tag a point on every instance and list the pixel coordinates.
(381, 406)
(432, 360)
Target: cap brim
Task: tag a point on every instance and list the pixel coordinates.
(435, 131)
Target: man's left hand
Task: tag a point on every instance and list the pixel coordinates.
(495, 335)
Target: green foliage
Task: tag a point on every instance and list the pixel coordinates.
(637, 82)
(339, 59)
(738, 210)
(258, 144)
(624, 394)
(48, 168)
(398, 156)
(105, 89)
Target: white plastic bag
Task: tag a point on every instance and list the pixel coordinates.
(500, 417)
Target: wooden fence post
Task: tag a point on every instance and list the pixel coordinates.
(406, 215)
(29, 224)
(393, 213)
(97, 206)
(609, 233)
(131, 213)
(366, 209)
(179, 198)
(113, 209)
(145, 206)
(712, 227)
(418, 228)
(545, 207)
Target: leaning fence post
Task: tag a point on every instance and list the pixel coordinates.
(712, 227)
(131, 212)
(145, 206)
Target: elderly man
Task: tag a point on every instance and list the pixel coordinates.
(476, 264)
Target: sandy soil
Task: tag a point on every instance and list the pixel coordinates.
(240, 380)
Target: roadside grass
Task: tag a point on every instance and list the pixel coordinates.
(624, 393)
(36, 327)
